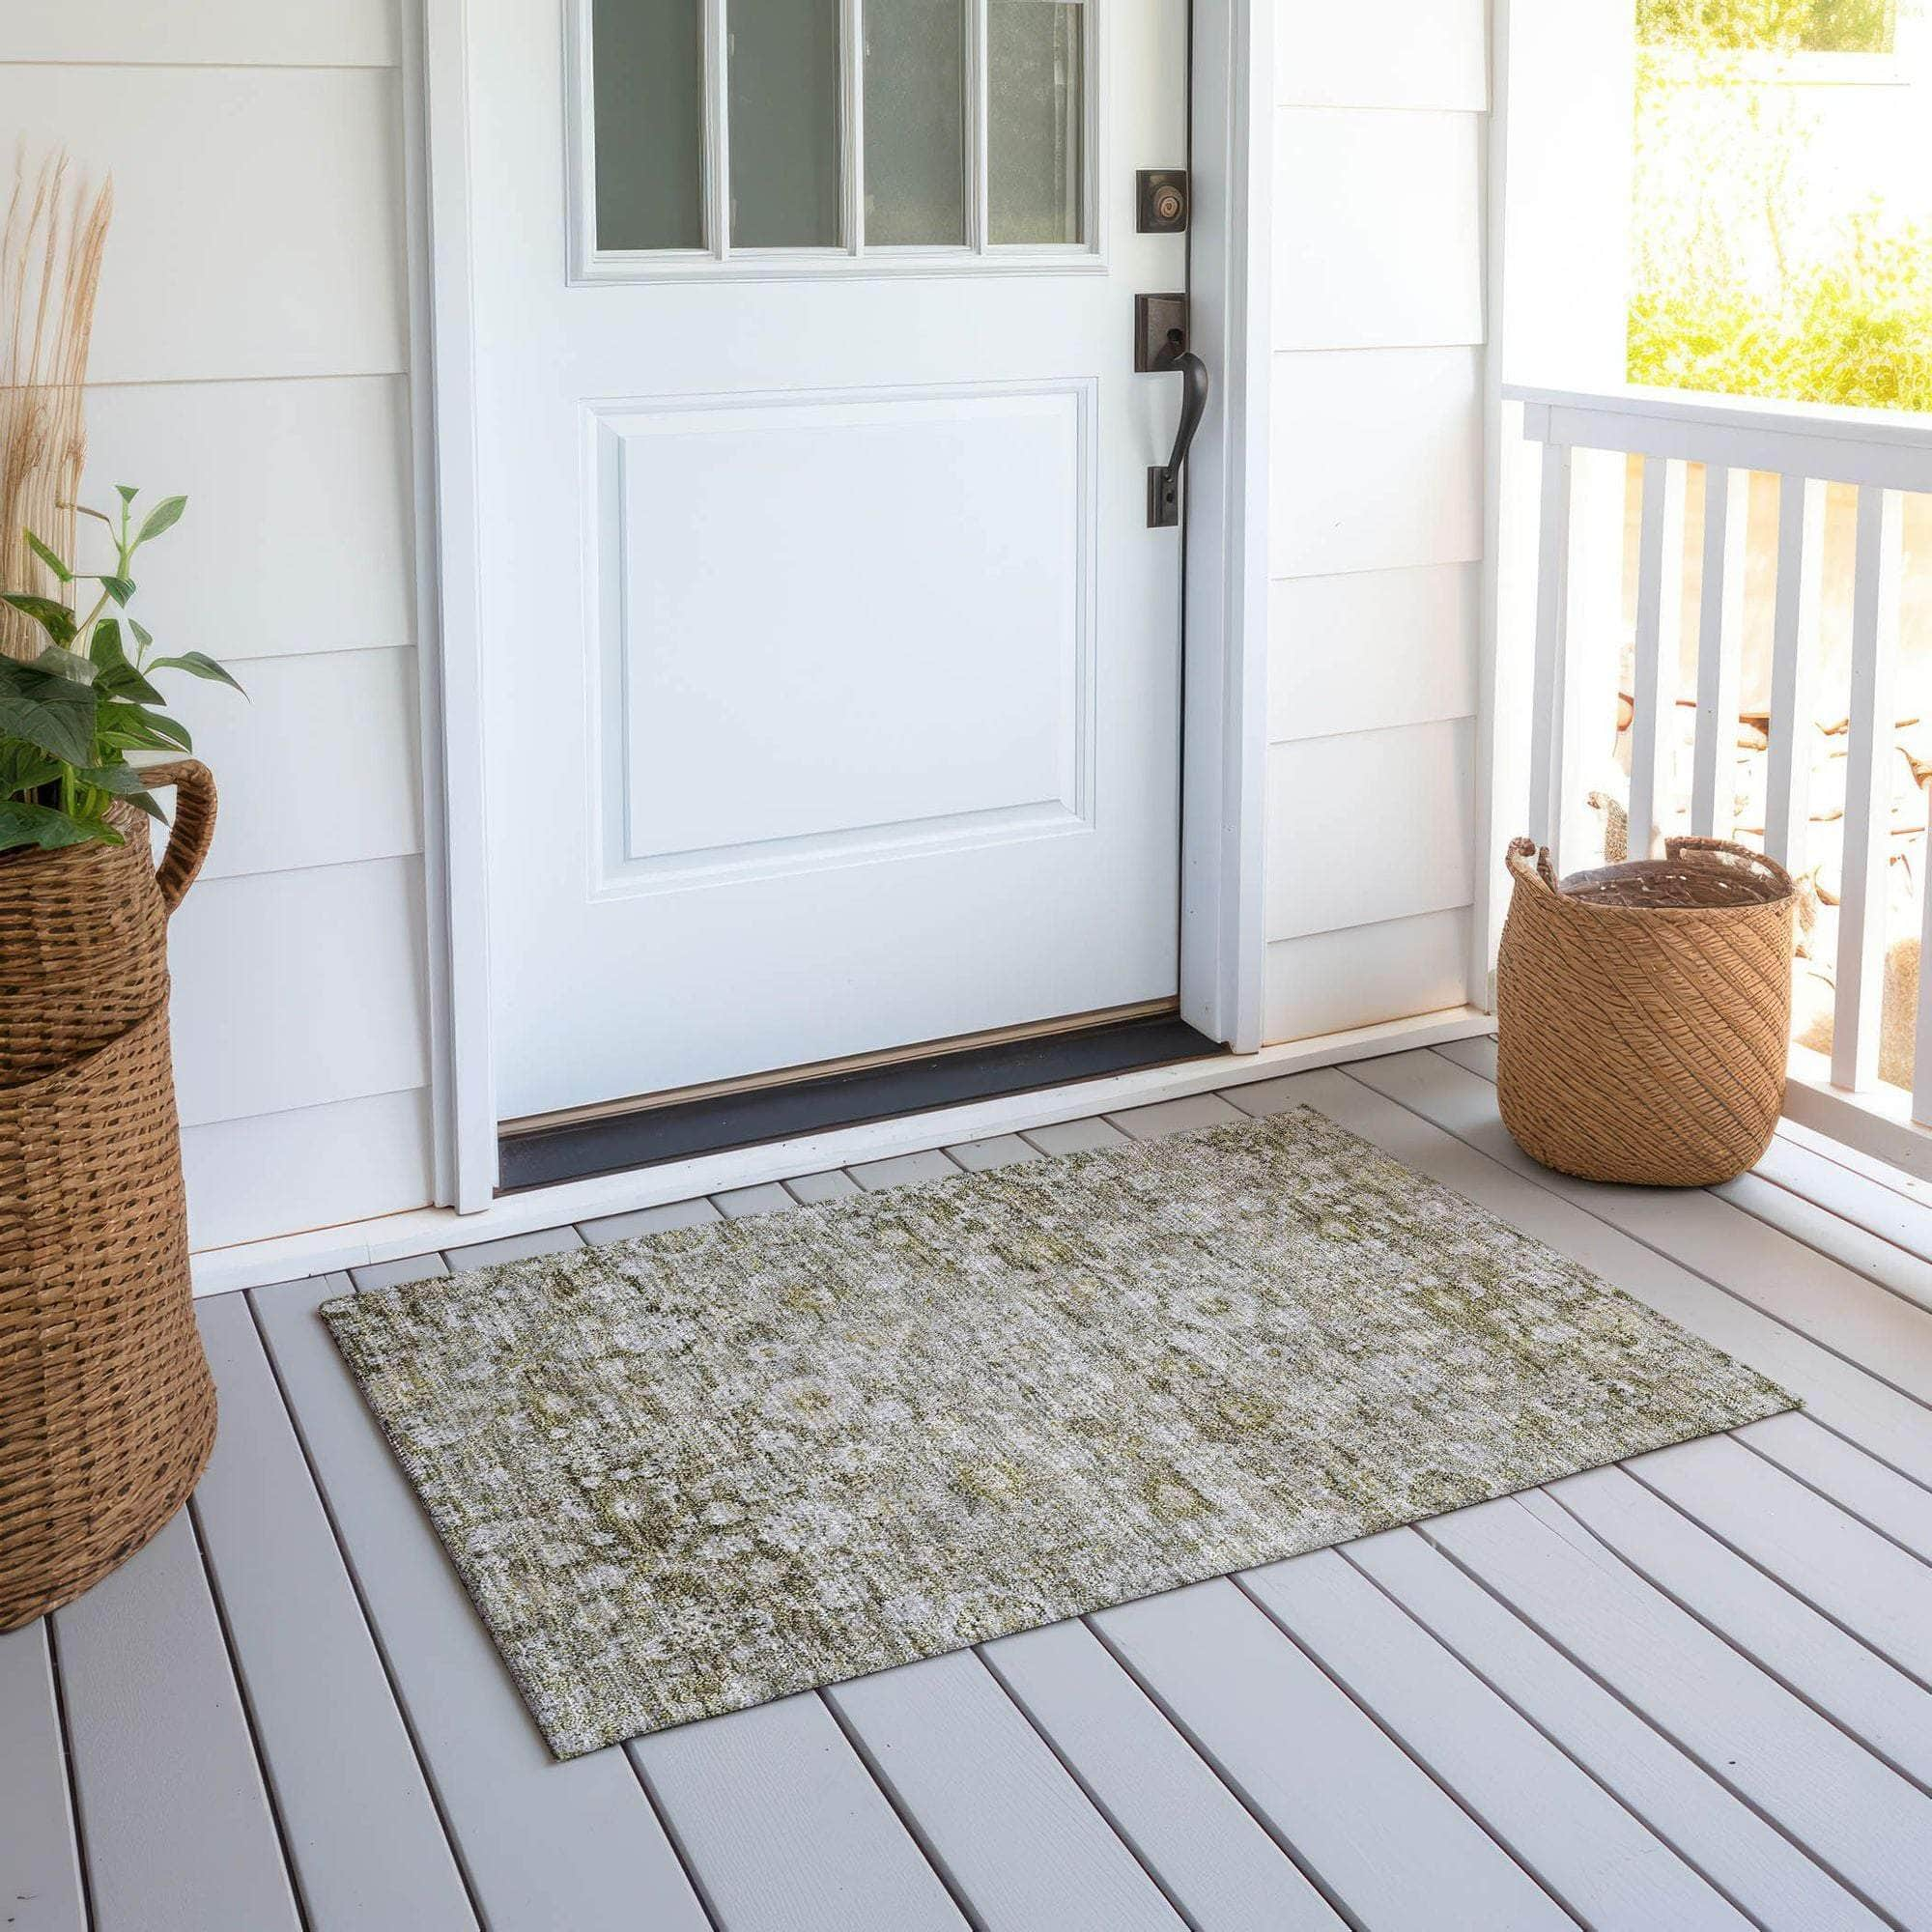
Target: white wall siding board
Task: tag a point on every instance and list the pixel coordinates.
(1371, 648)
(311, 1167)
(297, 536)
(345, 33)
(1377, 460)
(258, 220)
(1402, 53)
(316, 765)
(295, 988)
(1377, 229)
(1374, 825)
(1361, 975)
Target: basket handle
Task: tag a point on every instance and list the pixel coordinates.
(1541, 872)
(193, 828)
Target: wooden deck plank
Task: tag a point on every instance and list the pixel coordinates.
(1074, 1136)
(547, 1847)
(998, 1814)
(314, 1681)
(1217, 1861)
(834, 1185)
(1387, 1844)
(1582, 1845)
(786, 1826)
(395, 1273)
(1893, 1214)
(1860, 1581)
(1879, 1497)
(692, 1213)
(1877, 1417)
(1745, 1857)
(1806, 1652)
(903, 1170)
(39, 1854)
(985, 1156)
(1890, 1338)
(1855, 1815)
(737, 1203)
(1879, 1261)
(1183, 1116)
(175, 1822)
(513, 1248)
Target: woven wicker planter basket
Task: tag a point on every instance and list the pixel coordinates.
(1645, 1012)
(106, 1404)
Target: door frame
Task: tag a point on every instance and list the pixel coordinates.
(1224, 695)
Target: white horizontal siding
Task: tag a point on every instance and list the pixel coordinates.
(1377, 229)
(297, 536)
(1398, 53)
(250, 353)
(1377, 460)
(1376, 508)
(1328, 981)
(1371, 648)
(231, 33)
(315, 766)
(291, 990)
(1375, 825)
(313, 1167)
(258, 214)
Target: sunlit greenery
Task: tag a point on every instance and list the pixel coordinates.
(1737, 286)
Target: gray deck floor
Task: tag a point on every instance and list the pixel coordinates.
(1691, 1692)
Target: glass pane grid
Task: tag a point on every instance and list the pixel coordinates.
(827, 130)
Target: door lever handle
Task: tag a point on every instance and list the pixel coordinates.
(1164, 481)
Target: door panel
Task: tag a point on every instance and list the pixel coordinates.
(834, 672)
(907, 654)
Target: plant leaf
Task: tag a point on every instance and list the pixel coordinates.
(127, 727)
(51, 713)
(67, 663)
(124, 782)
(45, 553)
(41, 825)
(164, 516)
(25, 768)
(198, 663)
(126, 491)
(143, 636)
(119, 588)
(119, 678)
(55, 619)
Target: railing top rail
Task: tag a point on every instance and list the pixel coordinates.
(1891, 448)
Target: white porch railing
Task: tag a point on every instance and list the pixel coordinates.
(1882, 456)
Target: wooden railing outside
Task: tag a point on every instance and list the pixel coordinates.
(1884, 458)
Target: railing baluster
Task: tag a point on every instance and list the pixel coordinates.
(1660, 599)
(1794, 647)
(1922, 1044)
(1868, 780)
(1714, 783)
(1549, 739)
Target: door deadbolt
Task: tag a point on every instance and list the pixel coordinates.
(1162, 196)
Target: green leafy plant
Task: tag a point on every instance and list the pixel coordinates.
(70, 715)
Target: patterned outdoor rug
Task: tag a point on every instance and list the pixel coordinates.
(697, 1470)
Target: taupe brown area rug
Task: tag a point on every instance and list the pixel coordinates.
(691, 1472)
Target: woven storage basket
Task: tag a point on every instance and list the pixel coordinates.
(1645, 1012)
(106, 1404)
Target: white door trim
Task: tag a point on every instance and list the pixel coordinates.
(1224, 695)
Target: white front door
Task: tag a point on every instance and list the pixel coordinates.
(834, 670)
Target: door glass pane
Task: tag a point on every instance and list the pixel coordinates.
(915, 121)
(784, 59)
(647, 63)
(1036, 121)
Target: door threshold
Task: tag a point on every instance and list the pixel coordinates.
(718, 1121)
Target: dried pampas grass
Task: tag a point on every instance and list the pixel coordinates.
(51, 252)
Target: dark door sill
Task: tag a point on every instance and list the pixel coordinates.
(579, 1150)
